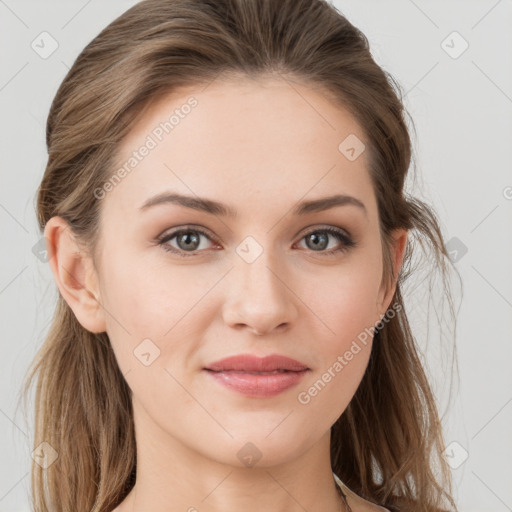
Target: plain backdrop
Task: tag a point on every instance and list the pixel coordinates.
(454, 62)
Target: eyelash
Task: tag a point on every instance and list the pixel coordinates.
(347, 242)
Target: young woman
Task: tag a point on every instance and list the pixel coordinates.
(225, 214)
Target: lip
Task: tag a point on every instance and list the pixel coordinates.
(250, 375)
(250, 363)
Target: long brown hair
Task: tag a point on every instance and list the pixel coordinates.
(387, 445)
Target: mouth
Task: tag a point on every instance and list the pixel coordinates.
(257, 377)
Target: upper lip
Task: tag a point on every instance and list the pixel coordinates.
(250, 363)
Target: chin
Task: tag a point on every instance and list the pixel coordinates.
(264, 450)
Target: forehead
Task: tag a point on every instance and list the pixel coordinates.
(242, 140)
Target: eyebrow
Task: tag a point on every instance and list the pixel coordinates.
(221, 209)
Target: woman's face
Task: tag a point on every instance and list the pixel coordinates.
(254, 271)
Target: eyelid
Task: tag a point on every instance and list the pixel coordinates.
(187, 227)
(320, 227)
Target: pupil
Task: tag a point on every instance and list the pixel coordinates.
(316, 238)
(188, 239)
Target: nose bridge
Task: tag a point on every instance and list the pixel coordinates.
(260, 276)
(258, 269)
(260, 298)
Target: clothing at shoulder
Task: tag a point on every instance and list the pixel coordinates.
(361, 504)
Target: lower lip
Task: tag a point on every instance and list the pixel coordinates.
(262, 385)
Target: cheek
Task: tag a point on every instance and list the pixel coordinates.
(135, 310)
(344, 349)
(147, 299)
(152, 314)
(345, 304)
(345, 301)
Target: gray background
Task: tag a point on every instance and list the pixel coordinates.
(461, 104)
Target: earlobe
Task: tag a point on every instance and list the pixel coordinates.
(74, 274)
(387, 290)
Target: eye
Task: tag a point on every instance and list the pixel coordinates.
(188, 240)
(319, 239)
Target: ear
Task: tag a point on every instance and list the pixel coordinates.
(74, 274)
(388, 287)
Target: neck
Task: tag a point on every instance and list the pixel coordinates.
(171, 476)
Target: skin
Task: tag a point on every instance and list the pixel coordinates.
(260, 146)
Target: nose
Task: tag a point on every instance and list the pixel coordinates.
(259, 298)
